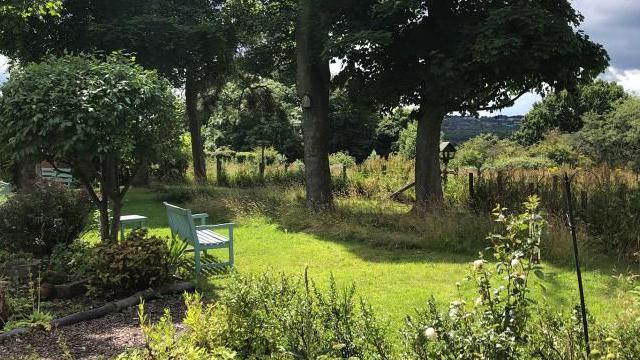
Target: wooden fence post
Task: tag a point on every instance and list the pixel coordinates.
(471, 188)
(500, 183)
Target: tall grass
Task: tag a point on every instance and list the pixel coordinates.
(607, 202)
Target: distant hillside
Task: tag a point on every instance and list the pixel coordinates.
(461, 128)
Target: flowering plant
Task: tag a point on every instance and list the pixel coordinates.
(493, 325)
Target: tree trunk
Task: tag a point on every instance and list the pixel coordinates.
(428, 178)
(313, 80)
(195, 129)
(105, 228)
(24, 174)
(110, 188)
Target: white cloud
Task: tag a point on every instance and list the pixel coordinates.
(628, 78)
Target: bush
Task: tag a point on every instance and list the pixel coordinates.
(136, 263)
(38, 219)
(173, 164)
(493, 326)
(263, 317)
(71, 259)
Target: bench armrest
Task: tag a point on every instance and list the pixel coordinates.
(203, 217)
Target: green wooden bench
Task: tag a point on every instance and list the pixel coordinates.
(63, 176)
(202, 237)
(5, 188)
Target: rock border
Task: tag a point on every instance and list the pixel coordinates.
(108, 308)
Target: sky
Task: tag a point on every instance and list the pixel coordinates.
(613, 23)
(616, 25)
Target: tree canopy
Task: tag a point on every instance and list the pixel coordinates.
(614, 137)
(192, 43)
(564, 110)
(103, 118)
(453, 55)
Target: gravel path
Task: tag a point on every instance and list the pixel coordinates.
(96, 339)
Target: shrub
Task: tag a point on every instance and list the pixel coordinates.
(342, 158)
(38, 219)
(71, 259)
(493, 326)
(136, 263)
(173, 164)
(262, 317)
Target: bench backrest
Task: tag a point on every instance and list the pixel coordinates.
(5, 188)
(181, 223)
(63, 176)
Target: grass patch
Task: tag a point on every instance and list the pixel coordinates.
(397, 261)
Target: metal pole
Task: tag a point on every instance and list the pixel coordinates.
(572, 226)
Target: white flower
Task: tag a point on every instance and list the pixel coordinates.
(478, 301)
(515, 262)
(430, 333)
(478, 264)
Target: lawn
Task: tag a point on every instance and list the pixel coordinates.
(394, 281)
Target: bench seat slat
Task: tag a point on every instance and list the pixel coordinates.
(208, 238)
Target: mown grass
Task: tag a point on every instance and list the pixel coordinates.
(397, 261)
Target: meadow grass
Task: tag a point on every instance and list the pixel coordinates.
(395, 280)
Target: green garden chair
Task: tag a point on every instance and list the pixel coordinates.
(202, 237)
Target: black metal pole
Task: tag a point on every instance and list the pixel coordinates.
(574, 237)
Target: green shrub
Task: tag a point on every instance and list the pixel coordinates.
(71, 259)
(342, 158)
(38, 219)
(173, 164)
(136, 263)
(492, 326)
(263, 317)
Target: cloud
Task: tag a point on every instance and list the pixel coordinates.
(629, 78)
(614, 24)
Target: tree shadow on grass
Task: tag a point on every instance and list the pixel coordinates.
(387, 235)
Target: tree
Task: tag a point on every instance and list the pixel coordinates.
(307, 31)
(406, 143)
(104, 119)
(478, 152)
(390, 128)
(262, 114)
(27, 9)
(465, 56)
(352, 126)
(564, 110)
(614, 137)
(192, 43)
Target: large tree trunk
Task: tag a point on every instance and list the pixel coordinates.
(24, 174)
(195, 129)
(428, 178)
(313, 77)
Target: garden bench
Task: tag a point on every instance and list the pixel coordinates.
(5, 188)
(202, 237)
(62, 176)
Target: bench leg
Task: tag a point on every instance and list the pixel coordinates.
(196, 254)
(231, 246)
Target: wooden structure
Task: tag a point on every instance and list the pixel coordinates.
(202, 237)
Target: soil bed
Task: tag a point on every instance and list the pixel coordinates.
(101, 338)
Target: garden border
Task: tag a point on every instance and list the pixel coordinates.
(108, 308)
